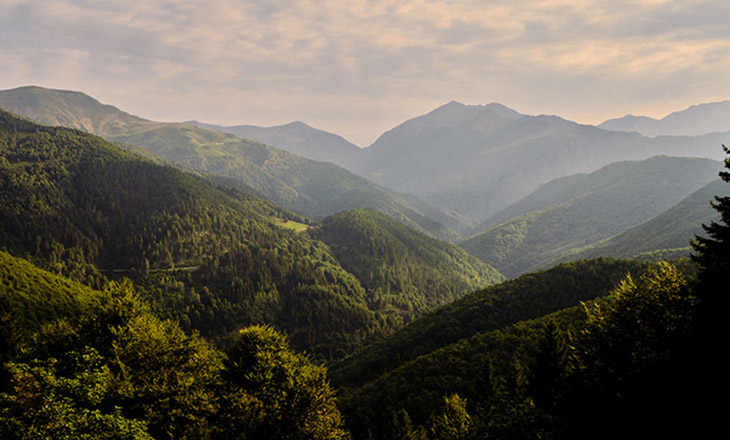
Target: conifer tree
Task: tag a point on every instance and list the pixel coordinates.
(712, 253)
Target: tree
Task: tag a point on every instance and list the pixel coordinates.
(631, 358)
(45, 402)
(453, 422)
(712, 255)
(401, 428)
(272, 392)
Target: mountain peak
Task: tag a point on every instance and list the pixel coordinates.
(695, 120)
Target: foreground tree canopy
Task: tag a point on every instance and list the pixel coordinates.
(99, 364)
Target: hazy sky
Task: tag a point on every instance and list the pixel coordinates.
(358, 68)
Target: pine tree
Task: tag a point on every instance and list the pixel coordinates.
(712, 253)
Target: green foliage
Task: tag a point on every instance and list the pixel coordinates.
(452, 422)
(589, 208)
(284, 395)
(45, 402)
(111, 369)
(631, 361)
(212, 258)
(405, 272)
(401, 428)
(528, 297)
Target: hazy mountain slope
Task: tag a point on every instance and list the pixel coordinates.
(477, 160)
(309, 187)
(588, 209)
(667, 234)
(68, 109)
(693, 121)
(408, 271)
(648, 171)
(297, 138)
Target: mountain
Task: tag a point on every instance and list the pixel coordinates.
(577, 211)
(449, 350)
(480, 159)
(211, 257)
(694, 121)
(666, 235)
(296, 138)
(410, 272)
(69, 109)
(312, 188)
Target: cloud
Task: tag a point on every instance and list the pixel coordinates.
(360, 67)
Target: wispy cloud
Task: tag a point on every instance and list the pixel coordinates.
(359, 67)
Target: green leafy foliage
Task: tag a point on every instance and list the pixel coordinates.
(288, 396)
(112, 370)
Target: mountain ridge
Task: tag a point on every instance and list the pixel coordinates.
(695, 120)
(313, 188)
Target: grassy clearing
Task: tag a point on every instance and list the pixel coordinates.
(291, 224)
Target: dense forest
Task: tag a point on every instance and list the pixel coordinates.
(213, 258)
(641, 361)
(79, 363)
(139, 301)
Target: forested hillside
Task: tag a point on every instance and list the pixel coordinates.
(639, 362)
(78, 363)
(407, 271)
(312, 188)
(527, 297)
(140, 301)
(579, 211)
(665, 235)
(212, 258)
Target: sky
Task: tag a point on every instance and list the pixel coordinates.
(359, 67)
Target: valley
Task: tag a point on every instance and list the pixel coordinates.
(474, 273)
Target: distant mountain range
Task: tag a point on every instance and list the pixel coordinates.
(694, 121)
(297, 138)
(481, 159)
(454, 172)
(312, 188)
